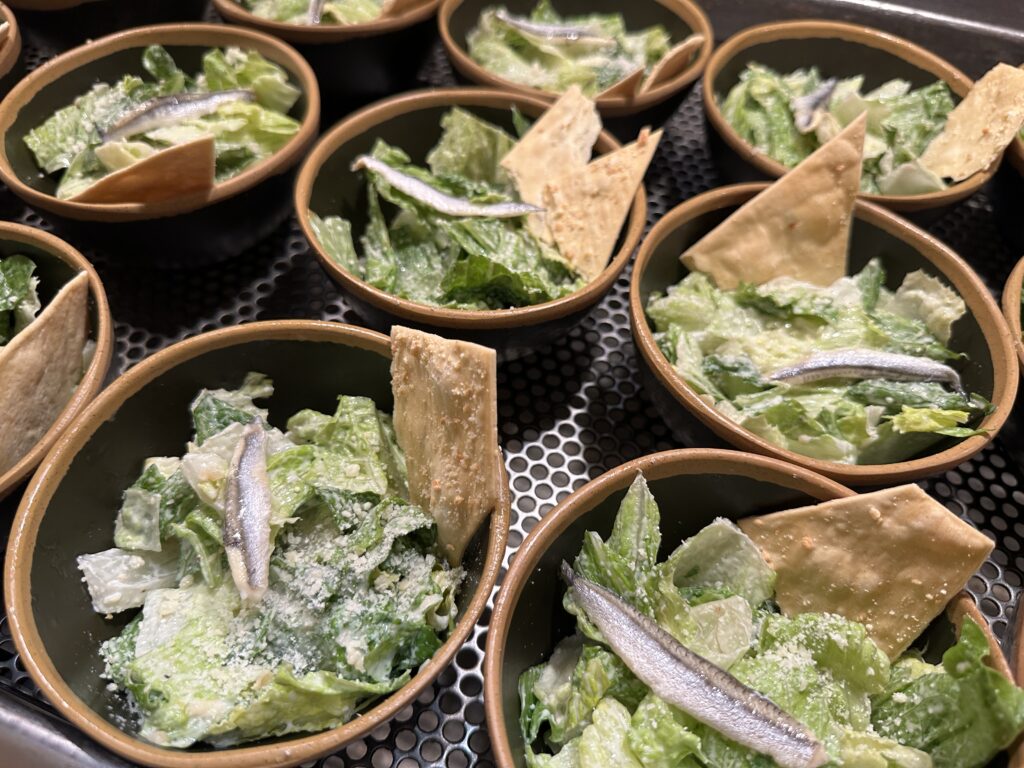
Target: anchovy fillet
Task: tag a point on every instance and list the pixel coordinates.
(692, 683)
(170, 110)
(438, 200)
(247, 509)
(867, 364)
(316, 8)
(808, 109)
(568, 33)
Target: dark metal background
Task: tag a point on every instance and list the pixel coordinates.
(569, 411)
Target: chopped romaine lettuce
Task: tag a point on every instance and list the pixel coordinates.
(297, 11)
(357, 600)
(901, 123)
(73, 139)
(726, 344)
(19, 302)
(594, 61)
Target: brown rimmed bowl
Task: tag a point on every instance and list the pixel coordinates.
(623, 116)
(528, 618)
(56, 263)
(12, 65)
(64, 23)
(180, 232)
(991, 368)
(355, 63)
(1011, 302)
(412, 122)
(68, 509)
(838, 50)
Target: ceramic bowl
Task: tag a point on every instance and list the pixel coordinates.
(69, 506)
(179, 232)
(12, 65)
(412, 122)
(991, 368)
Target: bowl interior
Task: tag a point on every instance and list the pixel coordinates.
(538, 621)
(833, 56)
(637, 15)
(155, 422)
(53, 273)
(868, 240)
(340, 191)
(109, 68)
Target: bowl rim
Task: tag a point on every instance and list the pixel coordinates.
(20, 550)
(660, 465)
(103, 335)
(688, 11)
(954, 271)
(1012, 306)
(367, 119)
(11, 49)
(232, 12)
(195, 35)
(901, 48)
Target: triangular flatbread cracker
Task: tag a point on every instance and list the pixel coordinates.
(39, 370)
(980, 127)
(446, 421)
(627, 87)
(891, 560)
(673, 62)
(586, 208)
(180, 171)
(561, 141)
(798, 227)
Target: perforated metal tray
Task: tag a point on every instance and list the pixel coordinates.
(568, 412)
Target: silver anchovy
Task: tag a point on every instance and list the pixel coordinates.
(570, 33)
(693, 684)
(867, 364)
(247, 508)
(808, 109)
(170, 110)
(438, 200)
(316, 8)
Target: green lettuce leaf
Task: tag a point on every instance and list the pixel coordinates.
(335, 235)
(19, 301)
(471, 148)
(605, 743)
(660, 736)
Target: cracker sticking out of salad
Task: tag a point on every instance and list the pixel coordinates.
(42, 358)
(799, 227)
(688, 661)
(492, 222)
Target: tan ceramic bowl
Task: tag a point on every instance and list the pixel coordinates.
(840, 50)
(412, 122)
(220, 221)
(991, 369)
(56, 263)
(528, 618)
(456, 18)
(69, 506)
(1012, 306)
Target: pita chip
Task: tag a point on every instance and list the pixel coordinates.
(980, 127)
(561, 141)
(586, 208)
(673, 62)
(180, 171)
(890, 560)
(628, 87)
(39, 370)
(798, 227)
(446, 422)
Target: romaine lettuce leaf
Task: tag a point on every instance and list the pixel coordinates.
(19, 301)
(471, 148)
(605, 742)
(333, 12)
(335, 235)
(660, 736)
(120, 579)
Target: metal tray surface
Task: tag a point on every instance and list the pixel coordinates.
(567, 412)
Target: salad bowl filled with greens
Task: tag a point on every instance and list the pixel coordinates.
(776, 620)
(637, 60)
(247, 565)
(475, 211)
(172, 143)
(775, 92)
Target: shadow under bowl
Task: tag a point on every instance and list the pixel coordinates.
(990, 369)
(326, 185)
(181, 232)
(840, 50)
(623, 116)
(70, 504)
